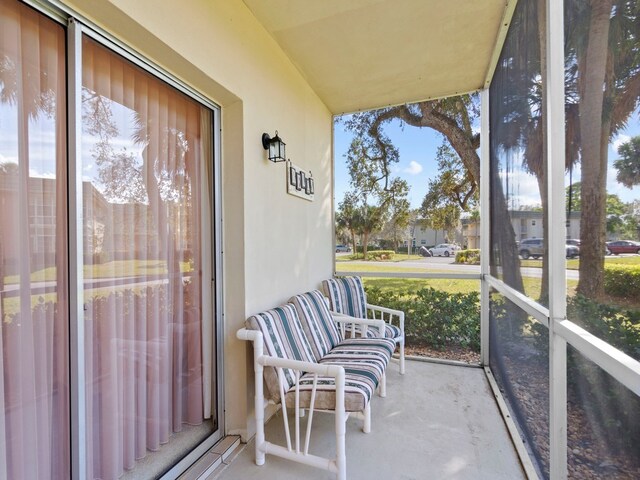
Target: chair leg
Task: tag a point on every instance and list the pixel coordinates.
(367, 418)
(259, 413)
(382, 387)
(402, 356)
(341, 456)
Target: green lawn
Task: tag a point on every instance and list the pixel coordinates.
(531, 284)
(574, 263)
(115, 269)
(376, 267)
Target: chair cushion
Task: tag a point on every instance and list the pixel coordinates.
(346, 295)
(317, 322)
(364, 361)
(283, 338)
(390, 331)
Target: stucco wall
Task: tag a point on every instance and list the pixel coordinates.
(275, 244)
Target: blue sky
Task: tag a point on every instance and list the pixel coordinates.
(417, 148)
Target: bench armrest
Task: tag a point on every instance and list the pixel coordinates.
(390, 313)
(365, 322)
(335, 371)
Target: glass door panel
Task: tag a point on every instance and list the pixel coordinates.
(145, 150)
(34, 391)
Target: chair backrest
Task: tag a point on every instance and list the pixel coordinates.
(317, 322)
(284, 337)
(346, 295)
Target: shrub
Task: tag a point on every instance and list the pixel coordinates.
(607, 404)
(380, 255)
(618, 326)
(622, 280)
(470, 257)
(435, 318)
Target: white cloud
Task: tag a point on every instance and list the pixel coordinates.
(36, 174)
(522, 189)
(619, 140)
(414, 168)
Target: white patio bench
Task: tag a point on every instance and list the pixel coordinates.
(301, 351)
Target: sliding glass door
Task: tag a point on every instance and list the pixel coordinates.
(143, 155)
(144, 286)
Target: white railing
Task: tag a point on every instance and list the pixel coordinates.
(616, 363)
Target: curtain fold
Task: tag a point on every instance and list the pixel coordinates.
(143, 142)
(34, 392)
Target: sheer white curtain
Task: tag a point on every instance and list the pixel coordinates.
(142, 144)
(34, 398)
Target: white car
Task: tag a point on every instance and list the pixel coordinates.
(446, 249)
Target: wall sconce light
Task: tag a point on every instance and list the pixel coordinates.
(275, 146)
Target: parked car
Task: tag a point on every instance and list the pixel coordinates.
(571, 251)
(444, 249)
(424, 251)
(624, 246)
(578, 243)
(534, 248)
(531, 247)
(343, 249)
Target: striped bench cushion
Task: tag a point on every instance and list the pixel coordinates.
(346, 295)
(364, 361)
(317, 322)
(283, 338)
(390, 331)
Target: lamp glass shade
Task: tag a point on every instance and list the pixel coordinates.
(277, 149)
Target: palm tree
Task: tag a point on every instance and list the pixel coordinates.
(603, 62)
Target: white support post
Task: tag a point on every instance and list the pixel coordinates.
(258, 368)
(76, 275)
(485, 231)
(556, 220)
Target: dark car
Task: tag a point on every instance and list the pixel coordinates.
(534, 248)
(623, 246)
(577, 243)
(424, 251)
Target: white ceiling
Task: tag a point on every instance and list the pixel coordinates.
(364, 54)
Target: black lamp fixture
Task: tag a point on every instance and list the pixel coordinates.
(275, 146)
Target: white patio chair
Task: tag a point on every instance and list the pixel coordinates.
(347, 297)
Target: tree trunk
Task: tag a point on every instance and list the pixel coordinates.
(353, 242)
(365, 242)
(594, 134)
(166, 237)
(541, 174)
(504, 256)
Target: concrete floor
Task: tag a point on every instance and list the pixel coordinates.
(437, 422)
